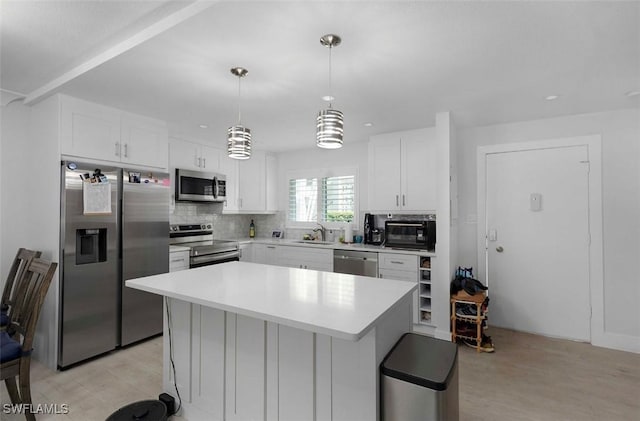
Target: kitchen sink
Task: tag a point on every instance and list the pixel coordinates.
(325, 243)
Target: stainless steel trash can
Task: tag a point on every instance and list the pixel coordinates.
(420, 380)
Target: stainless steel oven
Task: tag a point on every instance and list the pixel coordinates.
(411, 234)
(203, 249)
(198, 186)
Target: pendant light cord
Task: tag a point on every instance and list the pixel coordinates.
(239, 114)
(330, 89)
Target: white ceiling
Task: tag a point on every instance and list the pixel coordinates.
(400, 62)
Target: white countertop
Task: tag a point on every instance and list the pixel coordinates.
(340, 305)
(334, 246)
(173, 248)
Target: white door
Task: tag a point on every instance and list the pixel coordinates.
(537, 221)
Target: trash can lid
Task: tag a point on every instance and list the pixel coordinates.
(150, 410)
(421, 360)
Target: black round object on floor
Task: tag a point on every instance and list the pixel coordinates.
(150, 410)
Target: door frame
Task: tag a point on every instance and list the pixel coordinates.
(596, 266)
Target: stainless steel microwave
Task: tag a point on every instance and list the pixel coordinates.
(411, 234)
(198, 186)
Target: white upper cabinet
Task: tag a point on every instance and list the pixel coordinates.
(143, 141)
(402, 171)
(94, 131)
(257, 183)
(89, 130)
(193, 156)
(229, 167)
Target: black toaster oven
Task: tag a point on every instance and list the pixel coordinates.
(411, 234)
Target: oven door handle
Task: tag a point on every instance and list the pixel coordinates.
(212, 258)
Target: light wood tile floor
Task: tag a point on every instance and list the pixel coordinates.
(529, 377)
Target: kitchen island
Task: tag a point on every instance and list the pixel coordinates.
(253, 341)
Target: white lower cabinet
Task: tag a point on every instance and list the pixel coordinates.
(267, 254)
(403, 267)
(246, 252)
(178, 260)
(306, 258)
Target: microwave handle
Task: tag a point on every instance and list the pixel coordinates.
(215, 187)
(403, 224)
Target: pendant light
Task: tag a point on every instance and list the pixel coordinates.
(238, 136)
(330, 122)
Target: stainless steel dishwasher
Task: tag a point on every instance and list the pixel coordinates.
(356, 262)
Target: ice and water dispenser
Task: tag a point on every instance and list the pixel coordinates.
(91, 245)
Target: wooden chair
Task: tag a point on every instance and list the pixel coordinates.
(20, 263)
(17, 340)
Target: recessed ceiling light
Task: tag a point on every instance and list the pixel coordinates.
(368, 124)
(203, 126)
(632, 93)
(328, 98)
(552, 97)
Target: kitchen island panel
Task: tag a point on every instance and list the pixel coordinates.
(235, 367)
(208, 364)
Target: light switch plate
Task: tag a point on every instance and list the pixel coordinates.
(535, 202)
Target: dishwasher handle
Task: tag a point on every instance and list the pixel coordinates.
(343, 257)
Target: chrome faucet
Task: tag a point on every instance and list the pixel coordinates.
(322, 231)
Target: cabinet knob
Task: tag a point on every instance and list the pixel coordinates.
(499, 249)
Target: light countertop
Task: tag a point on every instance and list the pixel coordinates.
(334, 246)
(173, 248)
(340, 305)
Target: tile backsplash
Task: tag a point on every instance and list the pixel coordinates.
(226, 226)
(236, 226)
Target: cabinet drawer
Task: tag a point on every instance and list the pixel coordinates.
(398, 275)
(178, 260)
(397, 261)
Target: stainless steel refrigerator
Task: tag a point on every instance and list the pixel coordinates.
(114, 227)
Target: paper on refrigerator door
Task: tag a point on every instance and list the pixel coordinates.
(96, 198)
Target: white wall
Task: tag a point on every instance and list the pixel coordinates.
(30, 193)
(620, 131)
(14, 170)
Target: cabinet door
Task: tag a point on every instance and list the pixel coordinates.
(210, 158)
(271, 178)
(183, 154)
(89, 130)
(409, 276)
(246, 252)
(307, 258)
(144, 141)
(384, 173)
(252, 185)
(418, 177)
(266, 254)
(229, 167)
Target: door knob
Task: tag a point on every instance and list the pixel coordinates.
(499, 249)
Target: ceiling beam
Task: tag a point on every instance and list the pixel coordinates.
(145, 34)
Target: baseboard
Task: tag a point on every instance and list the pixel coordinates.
(617, 341)
(443, 334)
